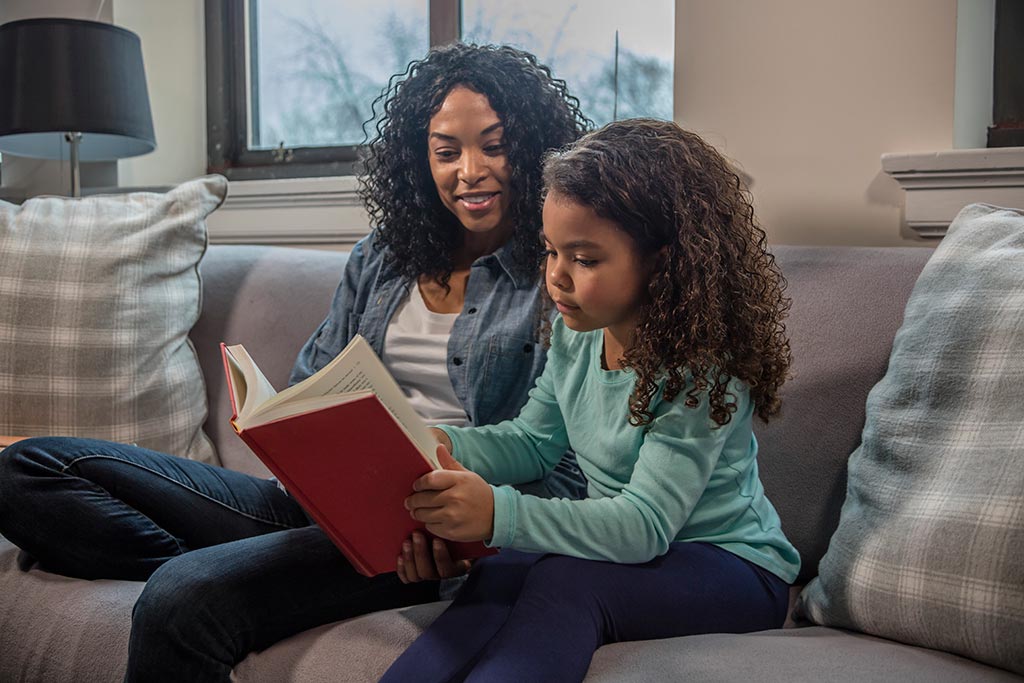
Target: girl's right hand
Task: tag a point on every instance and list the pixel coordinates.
(423, 561)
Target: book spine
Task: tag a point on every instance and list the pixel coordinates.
(231, 384)
(357, 561)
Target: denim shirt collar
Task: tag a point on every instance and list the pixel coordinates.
(503, 258)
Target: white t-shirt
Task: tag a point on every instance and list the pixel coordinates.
(416, 354)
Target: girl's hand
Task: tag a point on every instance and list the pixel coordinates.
(416, 563)
(454, 503)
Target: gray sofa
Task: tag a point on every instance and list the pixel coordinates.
(847, 305)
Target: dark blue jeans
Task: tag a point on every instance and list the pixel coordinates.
(531, 617)
(233, 564)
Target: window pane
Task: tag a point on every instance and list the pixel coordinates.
(318, 65)
(577, 40)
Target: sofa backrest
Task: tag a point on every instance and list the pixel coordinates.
(270, 299)
(847, 305)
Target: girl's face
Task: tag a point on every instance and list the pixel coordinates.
(466, 146)
(593, 270)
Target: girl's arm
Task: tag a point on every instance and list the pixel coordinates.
(671, 473)
(515, 451)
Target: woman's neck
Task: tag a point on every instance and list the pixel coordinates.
(438, 299)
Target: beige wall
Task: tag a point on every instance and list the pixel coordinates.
(806, 95)
(173, 50)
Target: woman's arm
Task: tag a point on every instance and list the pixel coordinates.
(8, 440)
(332, 334)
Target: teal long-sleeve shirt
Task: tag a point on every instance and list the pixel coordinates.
(675, 479)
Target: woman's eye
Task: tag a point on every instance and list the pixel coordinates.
(494, 149)
(445, 154)
(586, 263)
(549, 253)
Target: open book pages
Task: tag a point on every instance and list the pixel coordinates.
(354, 373)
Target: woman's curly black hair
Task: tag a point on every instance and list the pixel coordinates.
(715, 303)
(396, 186)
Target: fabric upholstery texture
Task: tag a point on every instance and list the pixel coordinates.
(930, 543)
(97, 297)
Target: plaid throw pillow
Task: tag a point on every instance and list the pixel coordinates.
(930, 544)
(97, 297)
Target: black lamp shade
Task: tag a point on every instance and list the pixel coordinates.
(68, 75)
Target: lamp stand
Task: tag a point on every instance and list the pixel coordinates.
(74, 139)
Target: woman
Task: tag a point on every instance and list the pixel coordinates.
(445, 290)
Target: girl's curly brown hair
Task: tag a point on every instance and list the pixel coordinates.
(715, 305)
(395, 184)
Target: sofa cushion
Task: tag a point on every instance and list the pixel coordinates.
(784, 656)
(97, 297)
(61, 630)
(930, 542)
(362, 648)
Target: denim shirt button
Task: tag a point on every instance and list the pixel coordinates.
(456, 361)
(472, 310)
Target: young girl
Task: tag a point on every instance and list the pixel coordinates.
(670, 340)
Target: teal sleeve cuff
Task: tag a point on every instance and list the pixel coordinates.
(504, 516)
(453, 434)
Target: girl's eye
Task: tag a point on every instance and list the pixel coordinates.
(548, 253)
(494, 149)
(445, 154)
(586, 263)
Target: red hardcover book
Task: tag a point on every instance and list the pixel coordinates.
(346, 445)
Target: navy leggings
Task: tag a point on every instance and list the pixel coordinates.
(530, 617)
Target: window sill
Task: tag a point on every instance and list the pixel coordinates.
(939, 184)
(307, 211)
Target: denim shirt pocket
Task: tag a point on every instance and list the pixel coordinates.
(510, 370)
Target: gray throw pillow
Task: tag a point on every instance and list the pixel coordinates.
(930, 545)
(97, 297)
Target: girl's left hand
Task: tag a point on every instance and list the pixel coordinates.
(454, 503)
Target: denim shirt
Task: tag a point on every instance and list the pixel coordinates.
(493, 353)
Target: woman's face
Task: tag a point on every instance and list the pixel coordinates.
(468, 161)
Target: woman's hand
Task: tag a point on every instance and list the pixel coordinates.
(424, 561)
(454, 503)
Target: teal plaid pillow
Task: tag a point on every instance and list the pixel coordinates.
(97, 297)
(930, 544)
